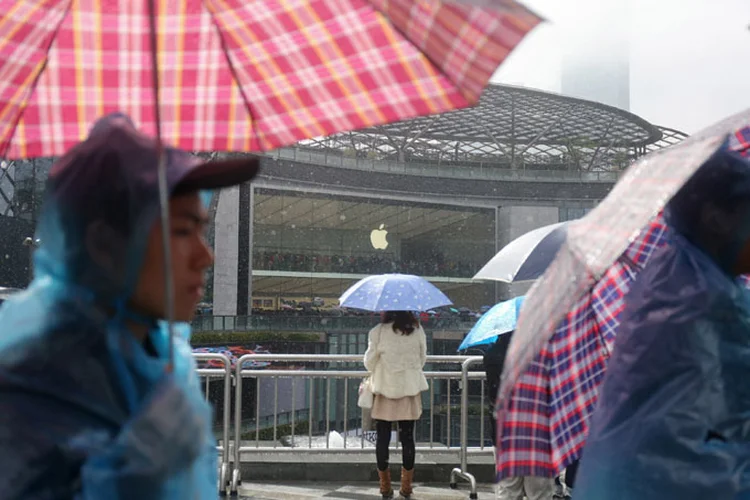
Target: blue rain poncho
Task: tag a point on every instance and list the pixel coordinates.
(673, 417)
(85, 410)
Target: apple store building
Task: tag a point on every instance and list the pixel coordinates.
(310, 246)
(435, 196)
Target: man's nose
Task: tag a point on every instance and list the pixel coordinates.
(204, 255)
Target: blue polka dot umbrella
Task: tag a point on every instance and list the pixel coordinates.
(394, 292)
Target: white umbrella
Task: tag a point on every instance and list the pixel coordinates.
(527, 257)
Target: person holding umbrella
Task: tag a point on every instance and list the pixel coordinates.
(671, 419)
(90, 405)
(395, 357)
(494, 359)
(494, 332)
(396, 354)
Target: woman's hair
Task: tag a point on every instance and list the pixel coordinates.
(404, 322)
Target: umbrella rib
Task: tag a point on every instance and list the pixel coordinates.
(163, 190)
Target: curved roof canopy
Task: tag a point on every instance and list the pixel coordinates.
(512, 127)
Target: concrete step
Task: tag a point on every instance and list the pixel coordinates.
(356, 465)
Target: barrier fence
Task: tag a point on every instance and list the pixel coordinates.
(225, 374)
(311, 322)
(312, 410)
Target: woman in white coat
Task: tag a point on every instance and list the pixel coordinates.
(396, 354)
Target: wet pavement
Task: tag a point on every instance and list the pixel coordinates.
(360, 491)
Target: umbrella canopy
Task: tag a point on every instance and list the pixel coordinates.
(527, 257)
(394, 292)
(674, 397)
(498, 320)
(544, 422)
(595, 242)
(241, 75)
(558, 391)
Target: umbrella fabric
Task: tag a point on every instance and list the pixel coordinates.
(394, 292)
(239, 75)
(497, 321)
(545, 423)
(543, 428)
(740, 141)
(595, 242)
(527, 257)
(671, 417)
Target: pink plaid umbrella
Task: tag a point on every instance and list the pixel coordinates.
(241, 75)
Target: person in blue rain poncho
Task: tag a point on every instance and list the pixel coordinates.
(88, 406)
(673, 417)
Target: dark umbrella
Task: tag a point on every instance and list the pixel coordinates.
(527, 257)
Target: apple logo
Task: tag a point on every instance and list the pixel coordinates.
(378, 238)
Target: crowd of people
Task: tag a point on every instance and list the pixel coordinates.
(436, 265)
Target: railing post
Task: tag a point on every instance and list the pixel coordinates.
(464, 412)
(226, 481)
(236, 474)
(462, 471)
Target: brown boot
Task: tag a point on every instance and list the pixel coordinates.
(407, 476)
(385, 483)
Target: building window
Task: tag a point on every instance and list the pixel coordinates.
(568, 213)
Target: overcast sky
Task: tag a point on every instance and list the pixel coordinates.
(689, 59)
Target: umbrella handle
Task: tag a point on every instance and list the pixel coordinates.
(163, 192)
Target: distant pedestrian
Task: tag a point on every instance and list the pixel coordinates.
(395, 357)
(510, 488)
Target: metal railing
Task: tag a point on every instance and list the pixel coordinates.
(310, 323)
(462, 472)
(480, 171)
(327, 376)
(225, 373)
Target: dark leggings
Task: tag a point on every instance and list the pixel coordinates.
(406, 436)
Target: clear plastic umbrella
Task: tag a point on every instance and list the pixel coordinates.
(595, 242)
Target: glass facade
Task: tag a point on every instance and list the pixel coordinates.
(308, 248)
(569, 213)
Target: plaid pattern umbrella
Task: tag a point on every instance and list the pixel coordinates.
(544, 427)
(242, 75)
(597, 241)
(740, 141)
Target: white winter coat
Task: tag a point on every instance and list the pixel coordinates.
(396, 361)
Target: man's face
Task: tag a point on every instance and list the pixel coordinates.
(191, 256)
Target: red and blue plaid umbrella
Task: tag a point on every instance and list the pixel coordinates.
(544, 427)
(740, 141)
(545, 424)
(595, 242)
